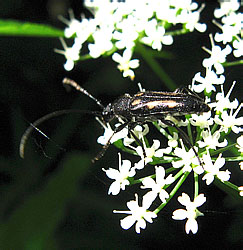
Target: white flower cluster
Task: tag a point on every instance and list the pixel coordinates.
(231, 27)
(120, 25)
(205, 160)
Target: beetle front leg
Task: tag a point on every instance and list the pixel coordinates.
(106, 146)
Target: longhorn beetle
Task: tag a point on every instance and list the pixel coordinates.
(143, 107)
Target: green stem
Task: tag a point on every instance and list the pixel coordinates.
(236, 158)
(228, 64)
(231, 185)
(189, 132)
(173, 192)
(161, 130)
(214, 128)
(155, 66)
(177, 32)
(198, 133)
(196, 185)
(138, 181)
(222, 149)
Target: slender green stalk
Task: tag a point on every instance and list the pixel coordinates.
(228, 64)
(196, 185)
(155, 66)
(174, 190)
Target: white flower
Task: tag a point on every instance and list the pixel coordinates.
(217, 57)
(240, 144)
(150, 152)
(187, 159)
(139, 131)
(125, 63)
(203, 120)
(125, 39)
(228, 33)
(83, 29)
(241, 165)
(241, 190)
(238, 48)
(213, 169)
(191, 212)
(184, 4)
(71, 54)
(207, 82)
(211, 140)
(233, 19)
(127, 33)
(230, 29)
(230, 121)
(164, 11)
(173, 141)
(109, 134)
(73, 24)
(185, 14)
(223, 102)
(226, 7)
(178, 123)
(158, 184)
(120, 176)
(102, 42)
(137, 214)
(193, 22)
(156, 35)
(103, 10)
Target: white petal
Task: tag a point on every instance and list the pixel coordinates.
(199, 200)
(224, 175)
(160, 174)
(148, 216)
(112, 173)
(184, 199)
(163, 195)
(209, 178)
(148, 182)
(179, 214)
(127, 222)
(133, 205)
(127, 54)
(114, 188)
(219, 163)
(117, 57)
(191, 225)
(167, 40)
(134, 63)
(148, 199)
(140, 224)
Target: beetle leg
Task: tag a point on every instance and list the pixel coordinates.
(106, 146)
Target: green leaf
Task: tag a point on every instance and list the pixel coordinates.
(119, 144)
(17, 28)
(33, 224)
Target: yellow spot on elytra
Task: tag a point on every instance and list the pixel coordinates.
(135, 102)
(170, 104)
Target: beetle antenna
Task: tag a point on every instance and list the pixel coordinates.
(79, 88)
(34, 125)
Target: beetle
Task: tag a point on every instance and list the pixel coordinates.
(143, 107)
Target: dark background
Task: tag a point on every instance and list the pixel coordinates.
(55, 198)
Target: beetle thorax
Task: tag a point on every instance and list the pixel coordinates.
(121, 107)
